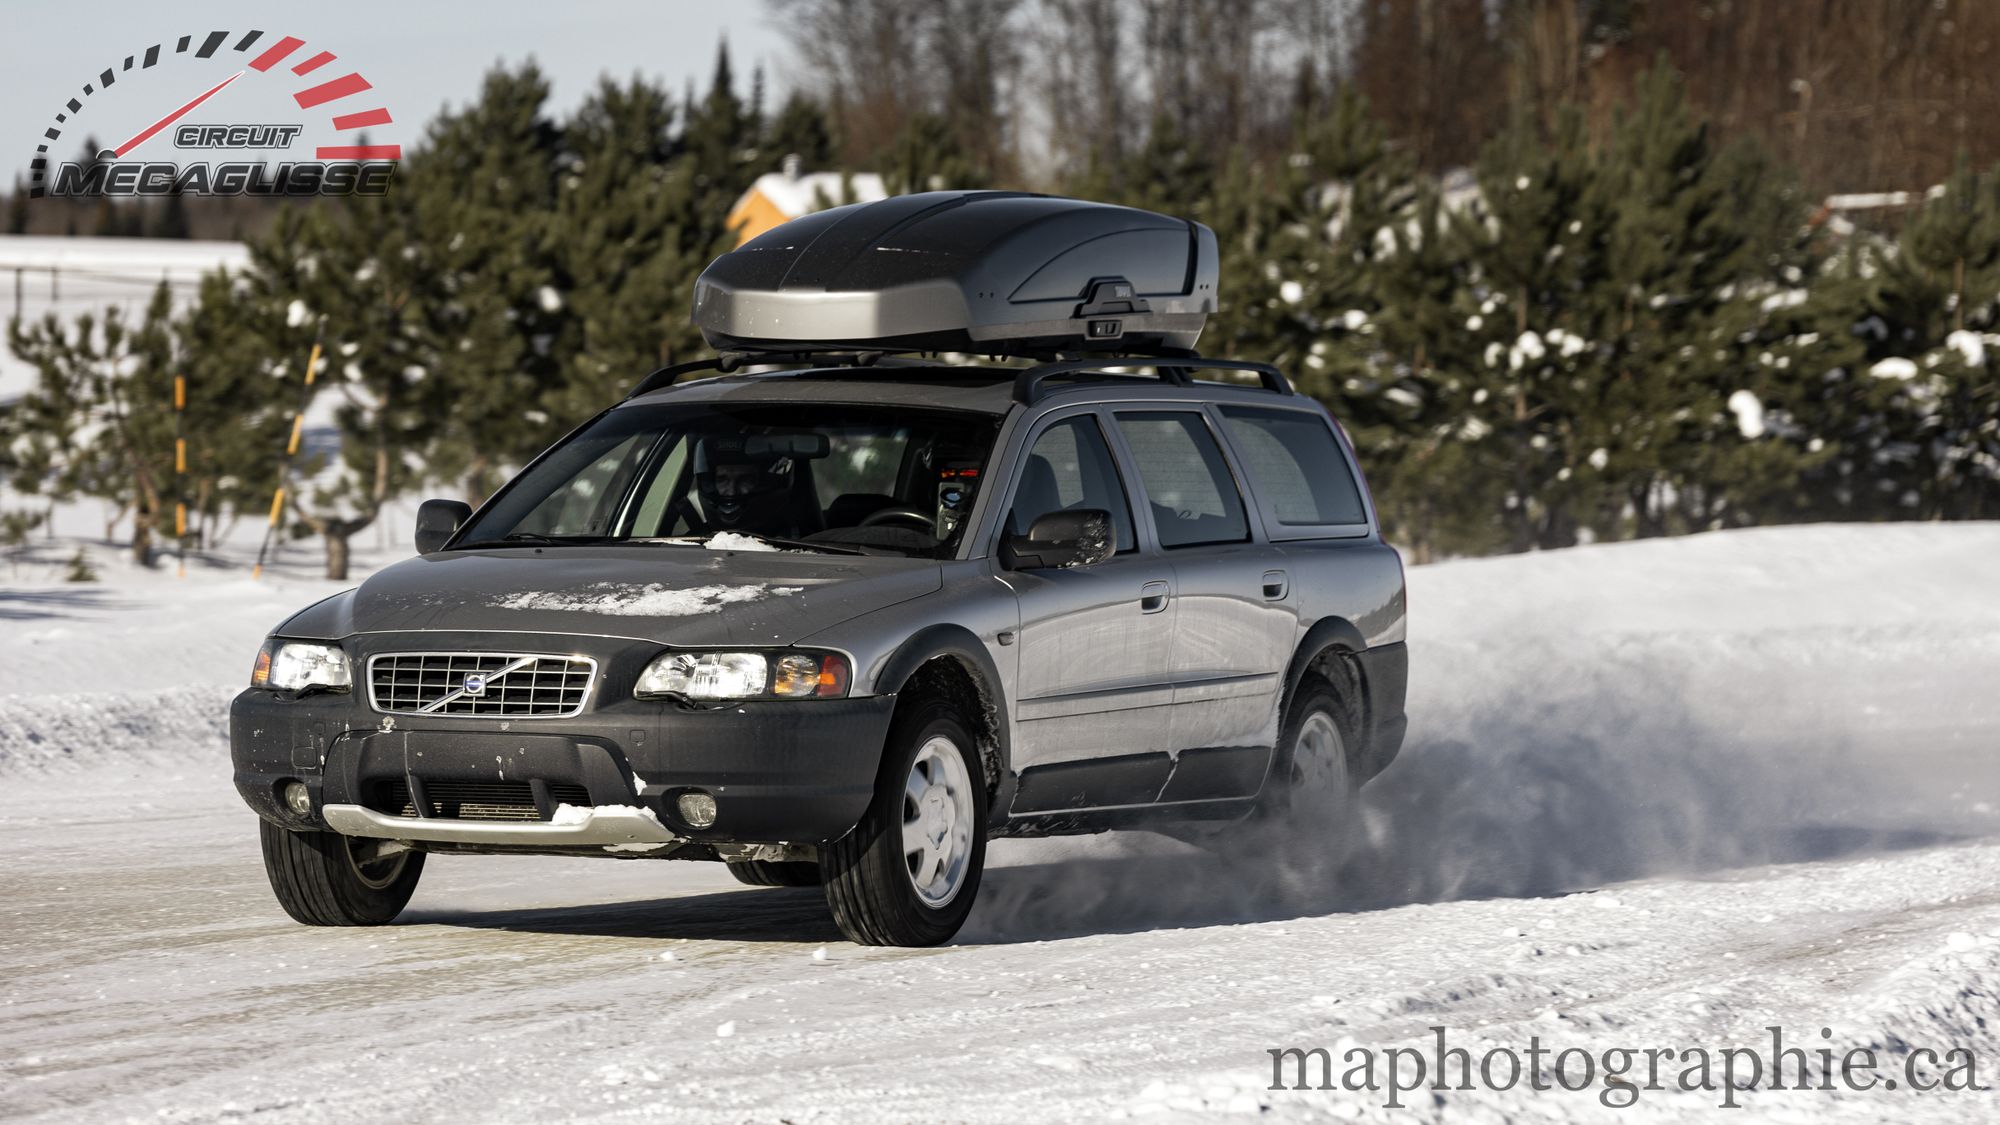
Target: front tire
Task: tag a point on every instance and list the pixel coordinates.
(909, 871)
(326, 879)
(775, 873)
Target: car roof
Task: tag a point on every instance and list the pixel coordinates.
(986, 389)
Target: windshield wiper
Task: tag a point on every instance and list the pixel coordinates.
(529, 539)
(807, 545)
(535, 539)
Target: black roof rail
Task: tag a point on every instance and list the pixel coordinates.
(727, 362)
(1172, 369)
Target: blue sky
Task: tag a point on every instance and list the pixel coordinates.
(418, 57)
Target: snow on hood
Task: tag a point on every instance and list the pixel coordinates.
(673, 594)
(652, 600)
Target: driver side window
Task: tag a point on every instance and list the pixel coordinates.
(1070, 467)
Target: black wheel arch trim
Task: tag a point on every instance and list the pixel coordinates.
(1382, 676)
(1327, 633)
(961, 644)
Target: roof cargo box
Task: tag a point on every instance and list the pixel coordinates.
(983, 272)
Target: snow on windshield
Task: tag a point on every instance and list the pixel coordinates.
(733, 541)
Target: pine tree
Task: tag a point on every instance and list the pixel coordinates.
(16, 445)
(926, 156)
(1535, 243)
(97, 410)
(104, 214)
(1169, 173)
(380, 294)
(1952, 248)
(481, 195)
(173, 218)
(1342, 202)
(243, 385)
(1697, 229)
(1417, 380)
(1897, 392)
(43, 452)
(1613, 287)
(17, 208)
(800, 129)
(632, 243)
(721, 139)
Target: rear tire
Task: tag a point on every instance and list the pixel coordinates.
(326, 879)
(908, 872)
(1308, 807)
(775, 873)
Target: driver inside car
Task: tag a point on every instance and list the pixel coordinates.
(743, 492)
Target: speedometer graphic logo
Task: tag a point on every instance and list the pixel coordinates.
(222, 113)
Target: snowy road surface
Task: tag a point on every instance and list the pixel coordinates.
(1656, 795)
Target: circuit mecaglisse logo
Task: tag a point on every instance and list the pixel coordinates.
(294, 100)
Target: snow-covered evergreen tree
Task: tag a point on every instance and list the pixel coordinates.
(1897, 351)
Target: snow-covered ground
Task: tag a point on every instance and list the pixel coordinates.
(1657, 795)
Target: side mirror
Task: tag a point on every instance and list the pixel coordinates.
(438, 521)
(1061, 540)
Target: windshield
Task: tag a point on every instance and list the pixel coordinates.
(821, 476)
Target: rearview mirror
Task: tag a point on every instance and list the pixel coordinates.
(808, 446)
(438, 521)
(1061, 540)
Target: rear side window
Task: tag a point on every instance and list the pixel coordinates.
(1194, 499)
(1296, 465)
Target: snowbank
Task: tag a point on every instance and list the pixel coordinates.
(167, 730)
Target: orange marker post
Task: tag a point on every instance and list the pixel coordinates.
(291, 451)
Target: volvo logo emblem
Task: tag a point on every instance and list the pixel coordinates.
(475, 684)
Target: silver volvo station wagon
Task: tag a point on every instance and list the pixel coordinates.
(858, 603)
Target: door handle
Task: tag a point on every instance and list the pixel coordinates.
(1153, 597)
(1276, 585)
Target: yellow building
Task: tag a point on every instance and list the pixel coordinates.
(779, 197)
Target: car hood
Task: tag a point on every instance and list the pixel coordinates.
(684, 596)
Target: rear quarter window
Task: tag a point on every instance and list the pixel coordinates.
(1296, 466)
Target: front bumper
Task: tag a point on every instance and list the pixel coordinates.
(618, 828)
(780, 772)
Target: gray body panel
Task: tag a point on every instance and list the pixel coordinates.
(1092, 691)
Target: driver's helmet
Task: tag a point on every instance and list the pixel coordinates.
(740, 489)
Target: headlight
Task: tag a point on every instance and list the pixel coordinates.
(301, 666)
(744, 675)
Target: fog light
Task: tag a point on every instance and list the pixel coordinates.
(298, 799)
(697, 808)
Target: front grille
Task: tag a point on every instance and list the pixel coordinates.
(473, 800)
(511, 684)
